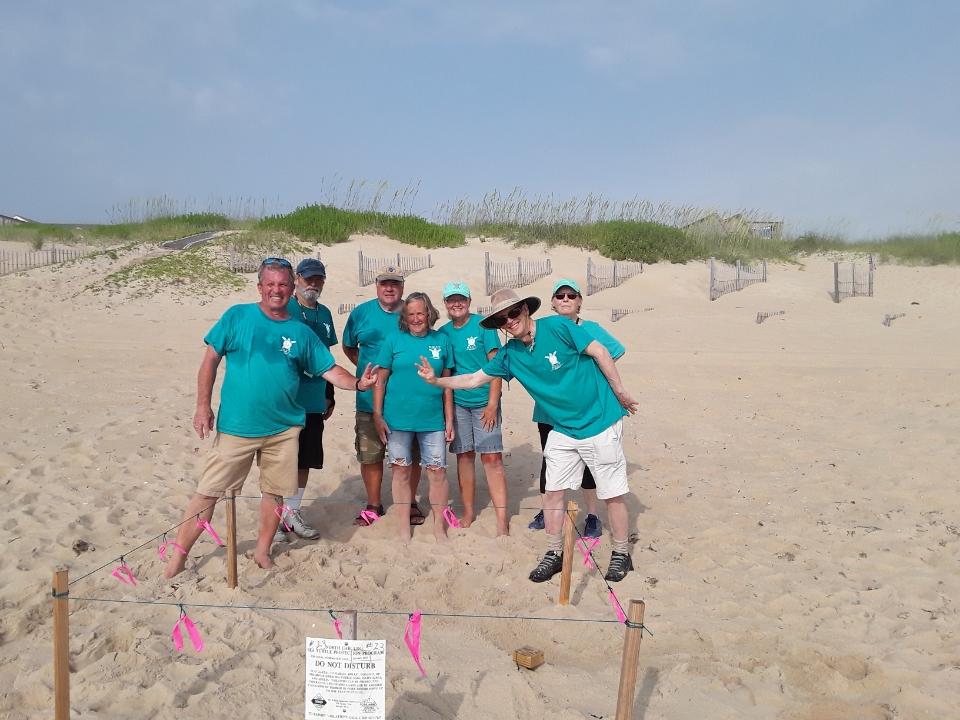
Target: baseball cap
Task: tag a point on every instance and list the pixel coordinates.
(566, 282)
(311, 267)
(389, 272)
(456, 287)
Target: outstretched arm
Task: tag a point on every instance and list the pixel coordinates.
(609, 369)
(345, 380)
(454, 382)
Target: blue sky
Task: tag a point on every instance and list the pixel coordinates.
(836, 116)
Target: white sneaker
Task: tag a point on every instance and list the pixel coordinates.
(280, 536)
(300, 527)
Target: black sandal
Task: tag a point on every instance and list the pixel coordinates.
(416, 515)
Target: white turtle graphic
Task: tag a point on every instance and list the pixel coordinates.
(327, 326)
(287, 346)
(472, 343)
(435, 351)
(551, 357)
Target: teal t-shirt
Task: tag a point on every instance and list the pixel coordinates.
(613, 346)
(409, 403)
(313, 389)
(470, 345)
(265, 360)
(367, 327)
(566, 383)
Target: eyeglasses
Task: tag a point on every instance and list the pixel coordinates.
(282, 262)
(566, 296)
(498, 321)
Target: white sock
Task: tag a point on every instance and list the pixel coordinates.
(294, 502)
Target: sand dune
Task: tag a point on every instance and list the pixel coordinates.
(794, 502)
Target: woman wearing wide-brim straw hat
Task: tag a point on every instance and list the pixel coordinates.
(573, 378)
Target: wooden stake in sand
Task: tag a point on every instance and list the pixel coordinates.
(231, 538)
(631, 656)
(61, 645)
(569, 518)
(349, 624)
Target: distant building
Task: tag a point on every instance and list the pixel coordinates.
(713, 225)
(13, 220)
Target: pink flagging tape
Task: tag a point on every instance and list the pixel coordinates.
(124, 574)
(451, 517)
(586, 546)
(177, 636)
(370, 516)
(162, 550)
(281, 511)
(205, 525)
(337, 625)
(615, 601)
(411, 636)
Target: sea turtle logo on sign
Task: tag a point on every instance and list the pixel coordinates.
(287, 345)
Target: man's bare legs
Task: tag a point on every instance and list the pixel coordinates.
(590, 500)
(439, 495)
(619, 520)
(188, 532)
(497, 484)
(553, 511)
(269, 522)
(372, 474)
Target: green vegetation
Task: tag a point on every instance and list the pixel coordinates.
(156, 230)
(933, 249)
(192, 267)
(329, 225)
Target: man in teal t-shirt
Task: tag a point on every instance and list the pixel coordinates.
(367, 327)
(477, 417)
(574, 380)
(315, 395)
(267, 352)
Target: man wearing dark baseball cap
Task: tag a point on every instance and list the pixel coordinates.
(315, 394)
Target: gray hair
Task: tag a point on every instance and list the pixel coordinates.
(432, 314)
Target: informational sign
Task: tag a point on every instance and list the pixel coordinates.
(346, 679)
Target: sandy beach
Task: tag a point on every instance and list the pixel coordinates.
(794, 505)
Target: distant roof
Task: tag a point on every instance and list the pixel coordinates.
(16, 218)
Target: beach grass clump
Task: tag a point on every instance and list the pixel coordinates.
(328, 225)
(193, 268)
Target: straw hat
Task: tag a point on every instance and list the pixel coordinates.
(503, 299)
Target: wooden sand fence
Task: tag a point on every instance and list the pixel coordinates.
(367, 267)
(631, 617)
(726, 278)
(608, 275)
(241, 260)
(11, 262)
(852, 280)
(513, 274)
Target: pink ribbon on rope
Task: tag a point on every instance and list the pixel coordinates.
(451, 517)
(411, 636)
(615, 601)
(124, 574)
(162, 550)
(205, 525)
(337, 625)
(586, 546)
(281, 511)
(177, 636)
(370, 516)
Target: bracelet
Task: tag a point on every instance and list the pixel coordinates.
(357, 386)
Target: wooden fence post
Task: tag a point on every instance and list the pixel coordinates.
(350, 624)
(631, 656)
(836, 282)
(569, 518)
(231, 538)
(61, 644)
(711, 279)
(870, 277)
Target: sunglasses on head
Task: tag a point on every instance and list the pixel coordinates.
(566, 296)
(498, 321)
(282, 262)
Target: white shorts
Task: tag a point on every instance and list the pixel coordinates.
(603, 454)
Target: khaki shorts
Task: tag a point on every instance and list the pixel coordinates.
(566, 458)
(231, 457)
(370, 451)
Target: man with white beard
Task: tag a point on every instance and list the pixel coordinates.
(315, 395)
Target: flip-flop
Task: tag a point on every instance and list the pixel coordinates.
(416, 515)
(369, 516)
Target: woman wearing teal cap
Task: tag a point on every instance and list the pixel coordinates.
(566, 300)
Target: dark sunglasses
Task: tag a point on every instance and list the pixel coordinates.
(498, 321)
(566, 296)
(282, 262)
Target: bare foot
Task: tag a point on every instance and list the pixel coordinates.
(467, 519)
(440, 534)
(263, 561)
(174, 565)
(503, 530)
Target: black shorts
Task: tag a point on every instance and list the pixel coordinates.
(311, 443)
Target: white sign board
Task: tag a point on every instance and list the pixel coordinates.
(346, 679)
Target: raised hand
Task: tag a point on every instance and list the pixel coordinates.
(369, 377)
(425, 370)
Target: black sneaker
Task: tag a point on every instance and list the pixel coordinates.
(620, 565)
(537, 523)
(593, 528)
(550, 565)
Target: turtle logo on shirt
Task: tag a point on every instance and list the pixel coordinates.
(552, 359)
(327, 326)
(435, 351)
(287, 345)
(472, 343)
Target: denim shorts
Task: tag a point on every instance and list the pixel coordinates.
(470, 435)
(431, 444)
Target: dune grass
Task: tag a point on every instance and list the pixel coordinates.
(193, 267)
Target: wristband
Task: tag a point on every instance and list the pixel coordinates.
(357, 386)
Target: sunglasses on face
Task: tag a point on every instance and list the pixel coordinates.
(566, 296)
(282, 262)
(498, 321)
